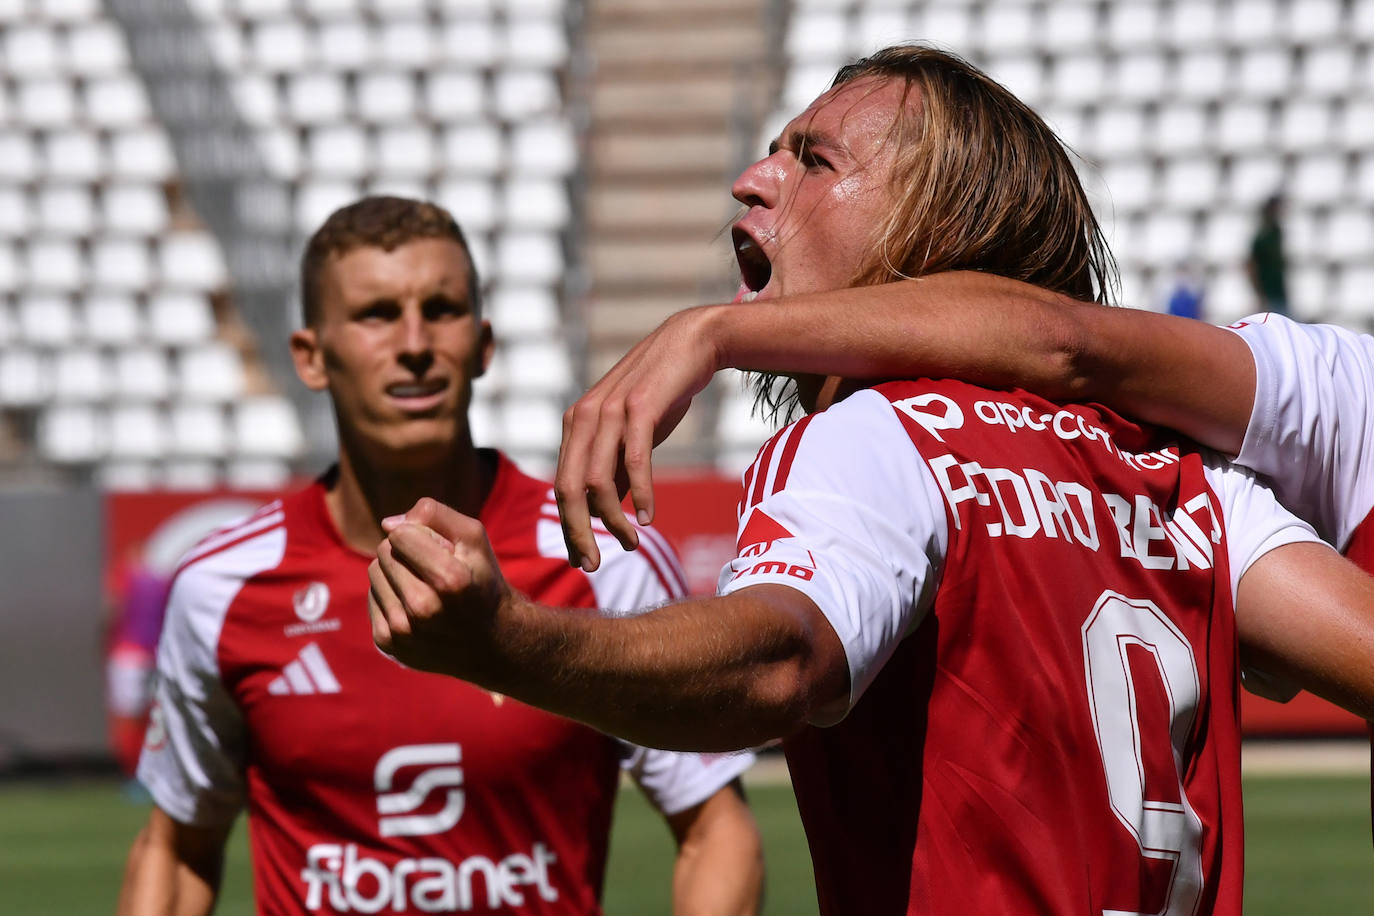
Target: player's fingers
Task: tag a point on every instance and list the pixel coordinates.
(388, 616)
(570, 484)
(430, 557)
(605, 476)
(444, 520)
(417, 599)
(638, 463)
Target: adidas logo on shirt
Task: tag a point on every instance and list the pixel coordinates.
(308, 673)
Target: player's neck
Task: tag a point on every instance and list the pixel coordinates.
(366, 491)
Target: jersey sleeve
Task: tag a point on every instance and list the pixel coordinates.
(1312, 425)
(192, 761)
(840, 507)
(674, 781)
(631, 582)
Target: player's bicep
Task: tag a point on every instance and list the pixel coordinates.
(1306, 614)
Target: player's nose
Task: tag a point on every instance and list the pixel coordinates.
(757, 185)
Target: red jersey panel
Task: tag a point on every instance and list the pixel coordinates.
(1055, 729)
(372, 787)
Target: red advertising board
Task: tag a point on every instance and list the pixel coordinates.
(696, 512)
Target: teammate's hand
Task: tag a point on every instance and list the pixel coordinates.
(610, 432)
(435, 590)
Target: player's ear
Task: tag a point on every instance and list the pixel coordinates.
(308, 358)
(486, 346)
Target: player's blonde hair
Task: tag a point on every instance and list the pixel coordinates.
(981, 183)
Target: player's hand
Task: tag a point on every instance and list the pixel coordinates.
(435, 591)
(610, 432)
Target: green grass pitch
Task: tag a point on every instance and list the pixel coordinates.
(62, 848)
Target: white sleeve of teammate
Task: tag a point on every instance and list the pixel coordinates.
(629, 583)
(1312, 428)
(192, 760)
(841, 507)
(1255, 524)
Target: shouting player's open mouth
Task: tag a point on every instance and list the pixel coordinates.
(755, 269)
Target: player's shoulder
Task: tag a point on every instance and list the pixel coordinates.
(1278, 330)
(238, 549)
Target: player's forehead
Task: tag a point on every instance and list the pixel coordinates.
(853, 118)
(416, 268)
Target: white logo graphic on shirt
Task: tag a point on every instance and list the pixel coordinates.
(951, 416)
(308, 673)
(442, 772)
(311, 602)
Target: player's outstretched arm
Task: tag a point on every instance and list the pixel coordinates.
(719, 868)
(983, 328)
(1306, 614)
(173, 869)
(706, 674)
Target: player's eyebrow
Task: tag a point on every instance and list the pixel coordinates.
(800, 139)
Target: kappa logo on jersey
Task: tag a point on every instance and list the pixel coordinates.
(309, 673)
(442, 772)
(759, 534)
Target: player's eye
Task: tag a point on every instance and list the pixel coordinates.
(378, 312)
(436, 308)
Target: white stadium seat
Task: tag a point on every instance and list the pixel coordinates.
(263, 9)
(1328, 71)
(133, 209)
(55, 264)
(1319, 180)
(1118, 130)
(11, 269)
(945, 24)
(16, 215)
(1140, 76)
(124, 476)
(73, 155)
(1226, 237)
(454, 95)
(1305, 125)
(191, 260)
(338, 151)
(538, 366)
(316, 98)
(529, 257)
(1363, 183)
(473, 149)
(141, 374)
(346, 44)
(24, 378)
(256, 99)
(120, 264)
(523, 311)
(1191, 183)
(1130, 184)
(280, 47)
(1023, 75)
(1264, 72)
(65, 210)
(472, 201)
(117, 101)
(468, 43)
(406, 151)
(1253, 179)
(111, 319)
(1349, 235)
(68, 11)
(535, 204)
(1313, 20)
(31, 50)
(1180, 129)
(1356, 129)
(141, 153)
(534, 43)
(1243, 127)
(315, 200)
(543, 148)
(137, 431)
(96, 48)
(45, 102)
(531, 424)
(1193, 24)
(519, 94)
(819, 34)
(386, 97)
(1202, 75)
(1252, 22)
(1068, 27)
(407, 44)
(46, 320)
(18, 161)
(1077, 78)
(266, 427)
(212, 372)
(81, 374)
(225, 40)
(280, 148)
(257, 474)
(72, 434)
(1132, 24)
(179, 318)
(189, 474)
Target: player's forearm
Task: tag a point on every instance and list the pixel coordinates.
(1001, 333)
(158, 883)
(707, 675)
(719, 867)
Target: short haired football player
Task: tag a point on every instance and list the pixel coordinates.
(371, 787)
(996, 632)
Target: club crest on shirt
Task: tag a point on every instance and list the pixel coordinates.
(155, 738)
(310, 603)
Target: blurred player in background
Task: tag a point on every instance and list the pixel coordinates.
(1015, 617)
(371, 787)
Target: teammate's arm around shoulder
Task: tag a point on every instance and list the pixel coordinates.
(173, 869)
(719, 867)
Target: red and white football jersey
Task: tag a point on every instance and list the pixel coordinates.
(371, 787)
(1035, 602)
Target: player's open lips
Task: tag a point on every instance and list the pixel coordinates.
(418, 395)
(755, 269)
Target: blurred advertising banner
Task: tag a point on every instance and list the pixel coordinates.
(696, 512)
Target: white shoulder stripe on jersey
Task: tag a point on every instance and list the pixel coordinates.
(661, 556)
(234, 534)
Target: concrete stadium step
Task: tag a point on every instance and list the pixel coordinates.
(658, 261)
(704, 100)
(697, 41)
(617, 154)
(623, 207)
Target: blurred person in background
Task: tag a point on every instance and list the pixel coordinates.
(371, 787)
(1266, 266)
(1188, 294)
(948, 579)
